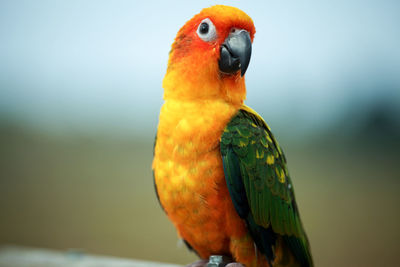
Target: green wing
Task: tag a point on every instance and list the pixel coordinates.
(260, 186)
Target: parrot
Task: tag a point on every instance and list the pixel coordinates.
(219, 173)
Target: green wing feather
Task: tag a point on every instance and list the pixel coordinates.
(260, 185)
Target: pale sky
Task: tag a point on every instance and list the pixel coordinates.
(84, 64)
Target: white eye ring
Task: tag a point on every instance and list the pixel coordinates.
(206, 30)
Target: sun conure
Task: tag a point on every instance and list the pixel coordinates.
(219, 173)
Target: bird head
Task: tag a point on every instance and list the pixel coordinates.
(210, 56)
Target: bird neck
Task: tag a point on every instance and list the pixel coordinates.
(192, 85)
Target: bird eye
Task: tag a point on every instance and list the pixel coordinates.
(206, 30)
(203, 28)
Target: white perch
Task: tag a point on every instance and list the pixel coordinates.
(13, 256)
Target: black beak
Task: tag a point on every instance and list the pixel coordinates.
(235, 53)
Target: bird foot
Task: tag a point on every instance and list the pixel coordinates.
(216, 261)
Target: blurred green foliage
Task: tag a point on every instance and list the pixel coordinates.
(95, 193)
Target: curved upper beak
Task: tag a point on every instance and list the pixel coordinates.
(235, 53)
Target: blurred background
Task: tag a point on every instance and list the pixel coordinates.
(80, 92)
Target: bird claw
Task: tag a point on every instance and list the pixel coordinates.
(215, 261)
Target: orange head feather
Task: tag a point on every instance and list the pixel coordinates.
(193, 72)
